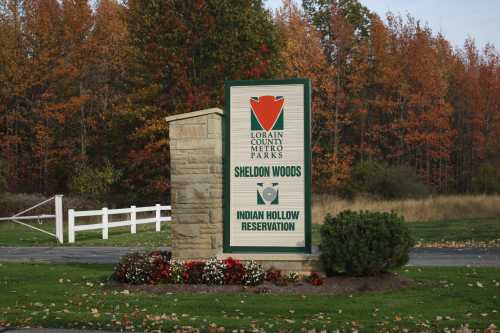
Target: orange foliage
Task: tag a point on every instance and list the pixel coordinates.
(82, 84)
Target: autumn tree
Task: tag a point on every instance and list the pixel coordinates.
(474, 96)
(13, 72)
(183, 51)
(85, 87)
(343, 27)
(303, 56)
(391, 88)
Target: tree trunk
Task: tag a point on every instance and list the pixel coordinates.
(336, 125)
(83, 128)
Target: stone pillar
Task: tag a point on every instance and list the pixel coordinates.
(196, 179)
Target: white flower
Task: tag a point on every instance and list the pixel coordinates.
(213, 272)
(254, 274)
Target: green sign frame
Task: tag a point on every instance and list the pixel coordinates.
(227, 248)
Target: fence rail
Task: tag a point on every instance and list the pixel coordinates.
(105, 224)
(58, 216)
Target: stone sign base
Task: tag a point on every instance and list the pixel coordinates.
(196, 179)
(287, 262)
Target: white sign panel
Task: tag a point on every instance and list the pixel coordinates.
(267, 166)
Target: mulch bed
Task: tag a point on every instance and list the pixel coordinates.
(339, 285)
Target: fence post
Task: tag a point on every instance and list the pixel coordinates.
(71, 225)
(59, 218)
(105, 226)
(158, 215)
(133, 228)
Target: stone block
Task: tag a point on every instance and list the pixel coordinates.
(188, 131)
(192, 210)
(208, 205)
(191, 218)
(184, 164)
(216, 194)
(208, 229)
(193, 144)
(215, 116)
(215, 168)
(216, 241)
(183, 244)
(214, 125)
(293, 265)
(216, 185)
(185, 230)
(190, 193)
(190, 121)
(189, 169)
(216, 216)
(219, 151)
(192, 244)
(194, 254)
(190, 179)
(178, 156)
(207, 156)
(215, 136)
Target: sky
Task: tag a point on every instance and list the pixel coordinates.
(455, 19)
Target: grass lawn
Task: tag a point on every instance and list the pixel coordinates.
(456, 230)
(12, 234)
(431, 231)
(73, 296)
(446, 230)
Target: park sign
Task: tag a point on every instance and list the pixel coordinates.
(267, 166)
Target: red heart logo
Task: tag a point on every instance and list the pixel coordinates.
(267, 110)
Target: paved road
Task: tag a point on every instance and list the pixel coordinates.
(418, 257)
(76, 254)
(455, 257)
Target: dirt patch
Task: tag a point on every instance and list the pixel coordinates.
(339, 285)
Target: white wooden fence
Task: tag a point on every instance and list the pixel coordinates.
(58, 216)
(105, 224)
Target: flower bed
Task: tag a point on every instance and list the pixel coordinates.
(158, 267)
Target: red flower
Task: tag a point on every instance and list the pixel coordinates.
(315, 279)
(273, 274)
(234, 272)
(193, 272)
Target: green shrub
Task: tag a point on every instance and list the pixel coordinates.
(94, 182)
(364, 178)
(3, 181)
(364, 243)
(386, 182)
(486, 179)
(401, 181)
